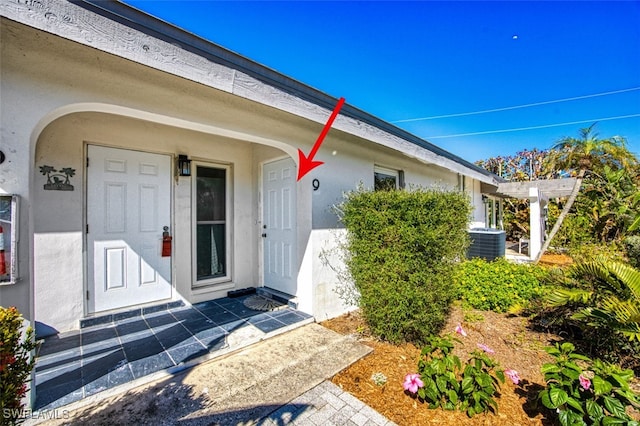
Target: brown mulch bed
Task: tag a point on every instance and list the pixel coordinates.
(556, 259)
(515, 345)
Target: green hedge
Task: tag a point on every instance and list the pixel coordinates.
(499, 285)
(402, 247)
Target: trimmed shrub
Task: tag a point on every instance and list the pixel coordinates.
(402, 247)
(15, 362)
(498, 286)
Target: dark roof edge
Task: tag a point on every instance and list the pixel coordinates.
(148, 24)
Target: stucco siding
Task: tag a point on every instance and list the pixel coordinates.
(58, 96)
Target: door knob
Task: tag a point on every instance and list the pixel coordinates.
(264, 235)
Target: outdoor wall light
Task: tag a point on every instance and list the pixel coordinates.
(184, 165)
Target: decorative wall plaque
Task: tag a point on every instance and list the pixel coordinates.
(57, 180)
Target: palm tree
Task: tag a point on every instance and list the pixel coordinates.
(581, 155)
(588, 153)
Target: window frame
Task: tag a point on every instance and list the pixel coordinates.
(396, 173)
(10, 225)
(228, 222)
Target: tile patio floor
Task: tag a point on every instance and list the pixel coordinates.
(75, 365)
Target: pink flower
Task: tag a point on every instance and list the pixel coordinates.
(412, 382)
(461, 331)
(584, 382)
(486, 348)
(513, 375)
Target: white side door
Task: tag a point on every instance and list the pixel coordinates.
(128, 204)
(279, 225)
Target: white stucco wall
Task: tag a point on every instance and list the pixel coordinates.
(58, 215)
(43, 77)
(324, 263)
(347, 165)
(57, 96)
(350, 162)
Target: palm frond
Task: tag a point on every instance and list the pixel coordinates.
(618, 308)
(629, 276)
(622, 316)
(563, 296)
(602, 273)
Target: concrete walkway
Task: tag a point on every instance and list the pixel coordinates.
(279, 381)
(326, 405)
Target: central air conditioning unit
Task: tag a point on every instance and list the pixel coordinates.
(487, 243)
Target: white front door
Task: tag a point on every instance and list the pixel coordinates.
(279, 225)
(128, 204)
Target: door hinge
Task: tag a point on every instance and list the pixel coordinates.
(87, 294)
(87, 161)
(87, 230)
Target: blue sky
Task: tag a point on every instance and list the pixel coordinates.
(408, 60)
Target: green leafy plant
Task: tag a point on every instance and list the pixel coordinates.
(449, 384)
(609, 293)
(438, 368)
(15, 363)
(379, 379)
(499, 285)
(473, 317)
(586, 392)
(575, 231)
(401, 250)
(480, 383)
(583, 252)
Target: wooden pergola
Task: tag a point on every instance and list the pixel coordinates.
(552, 188)
(538, 193)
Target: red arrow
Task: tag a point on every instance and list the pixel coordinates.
(306, 164)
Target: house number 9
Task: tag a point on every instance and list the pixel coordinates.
(316, 184)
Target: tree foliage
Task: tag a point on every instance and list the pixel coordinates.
(608, 206)
(524, 165)
(588, 153)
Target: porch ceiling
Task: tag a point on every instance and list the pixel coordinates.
(552, 188)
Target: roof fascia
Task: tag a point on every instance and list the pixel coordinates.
(160, 29)
(400, 139)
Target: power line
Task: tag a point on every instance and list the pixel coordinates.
(535, 127)
(518, 106)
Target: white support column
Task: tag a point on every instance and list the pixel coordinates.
(493, 213)
(537, 201)
(535, 234)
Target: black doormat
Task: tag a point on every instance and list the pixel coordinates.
(261, 303)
